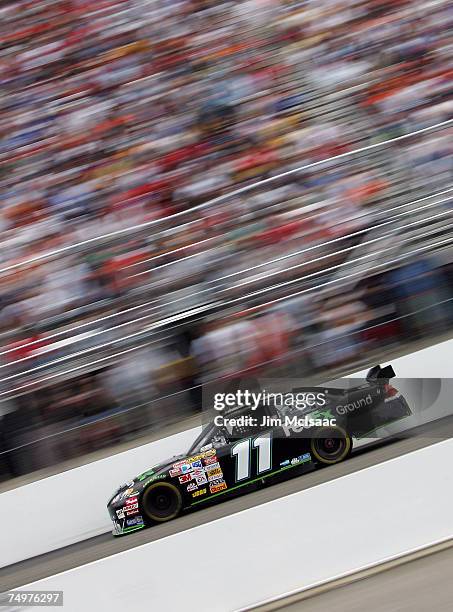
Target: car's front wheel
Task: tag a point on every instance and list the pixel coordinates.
(331, 445)
(161, 502)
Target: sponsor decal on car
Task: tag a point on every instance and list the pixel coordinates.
(210, 460)
(353, 406)
(197, 464)
(208, 453)
(192, 487)
(120, 513)
(132, 512)
(215, 473)
(131, 500)
(295, 461)
(117, 528)
(201, 479)
(212, 466)
(175, 472)
(181, 462)
(185, 478)
(154, 478)
(199, 492)
(306, 457)
(145, 475)
(284, 463)
(216, 488)
(218, 481)
(318, 418)
(128, 509)
(205, 448)
(138, 520)
(186, 467)
(127, 493)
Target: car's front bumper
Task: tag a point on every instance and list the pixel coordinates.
(122, 526)
(119, 530)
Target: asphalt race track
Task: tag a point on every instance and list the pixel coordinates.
(102, 546)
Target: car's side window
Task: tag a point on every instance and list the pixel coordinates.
(247, 422)
(219, 438)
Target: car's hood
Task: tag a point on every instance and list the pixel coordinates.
(137, 484)
(157, 469)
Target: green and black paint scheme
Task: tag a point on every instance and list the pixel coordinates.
(225, 461)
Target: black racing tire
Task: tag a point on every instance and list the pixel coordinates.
(161, 502)
(330, 445)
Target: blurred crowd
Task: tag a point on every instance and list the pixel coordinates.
(129, 273)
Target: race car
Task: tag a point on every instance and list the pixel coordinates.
(244, 448)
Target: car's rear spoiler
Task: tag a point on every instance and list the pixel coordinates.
(381, 373)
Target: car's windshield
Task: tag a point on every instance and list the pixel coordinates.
(207, 436)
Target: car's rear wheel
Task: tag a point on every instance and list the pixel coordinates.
(331, 445)
(161, 502)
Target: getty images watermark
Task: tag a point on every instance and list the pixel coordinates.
(288, 417)
(297, 405)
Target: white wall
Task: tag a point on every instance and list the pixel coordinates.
(50, 511)
(71, 506)
(433, 362)
(294, 542)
